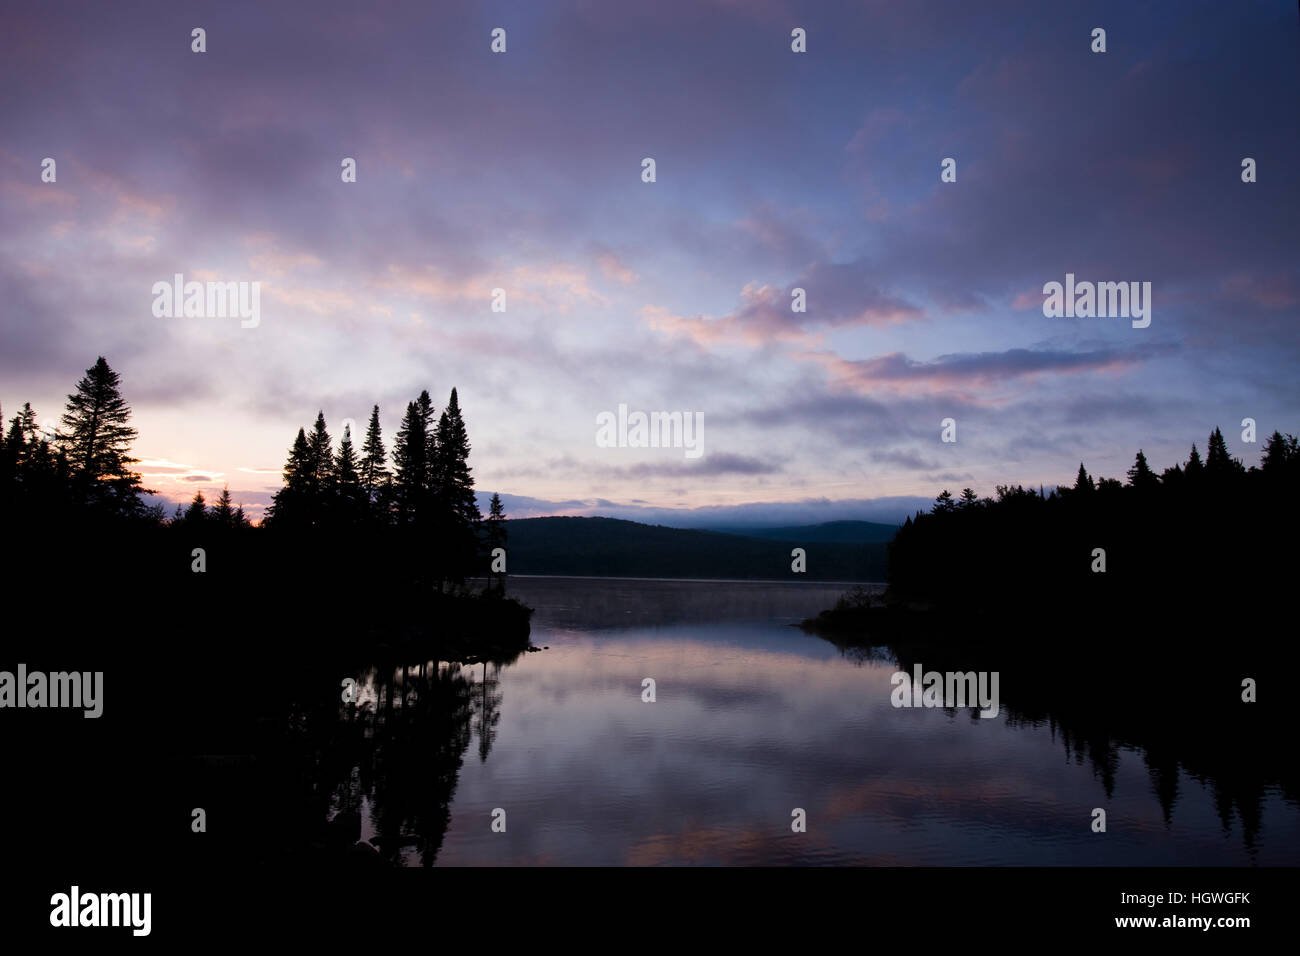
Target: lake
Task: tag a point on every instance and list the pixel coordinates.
(753, 718)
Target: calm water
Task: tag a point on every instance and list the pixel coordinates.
(754, 718)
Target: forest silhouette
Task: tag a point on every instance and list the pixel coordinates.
(1203, 541)
(412, 525)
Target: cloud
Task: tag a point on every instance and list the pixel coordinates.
(982, 368)
(836, 296)
(612, 266)
(904, 458)
(707, 464)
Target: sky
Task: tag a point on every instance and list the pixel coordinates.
(774, 171)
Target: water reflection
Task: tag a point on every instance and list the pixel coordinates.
(391, 761)
(754, 718)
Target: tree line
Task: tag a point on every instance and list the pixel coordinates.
(422, 499)
(1153, 540)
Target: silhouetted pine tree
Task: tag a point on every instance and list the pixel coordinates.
(455, 485)
(23, 431)
(1140, 476)
(223, 515)
(410, 466)
(424, 404)
(290, 506)
(373, 471)
(1280, 456)
(197, 512)
(1083, 483)
(320, 466)
(96, 437)
(1218, 463)
(457, 506)
(351, 500)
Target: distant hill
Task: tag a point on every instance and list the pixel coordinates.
(844, 532)
(617, 548)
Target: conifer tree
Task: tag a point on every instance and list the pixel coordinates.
(1280, 454)
(1082, 482)
(456, 506)
(1141, 476)
(1195, 467)
(455, 485)
(350, 498)
(223, 515)
(197, 512)
(320, 458)
(22, 427)
(1217, 460)
(291, 504)
(411, 465)
(425, 406)
(373, 471)
(96, 438)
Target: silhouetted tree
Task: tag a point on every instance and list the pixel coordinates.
(1280, 455)
(23, 430)
(351, 500)
(373, 471)
(454, 492)
(291, 505)
(1083, 483)
(96, 438)
(197, 512)
(1140, 476)
(410, 465)
(424, 406)
(1218, 463)
(223, 515)
(320, 467)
